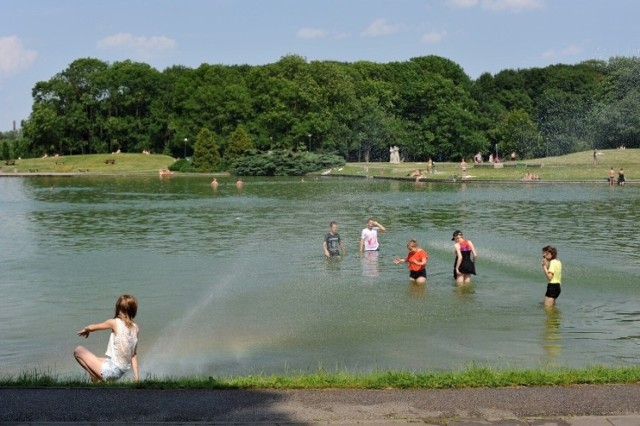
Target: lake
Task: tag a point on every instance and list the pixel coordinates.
(235, 282)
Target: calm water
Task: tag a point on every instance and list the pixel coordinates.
(233, 282)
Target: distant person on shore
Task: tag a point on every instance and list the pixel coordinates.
(239, 184)
(490, 158)
(466, 256)
(552, 268)
(121, 350)
(612, 176)
(369, 236)
(332, 244)
(595, 157)
(430, 166)
(463, 168)
(621, 177)
(417, 261)
(214, 184)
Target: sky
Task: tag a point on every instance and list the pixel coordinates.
(41, 38)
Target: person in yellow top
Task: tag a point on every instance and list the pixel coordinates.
(552, 268)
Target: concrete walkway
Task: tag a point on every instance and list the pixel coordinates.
(589, 405)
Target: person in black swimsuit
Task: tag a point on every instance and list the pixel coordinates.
(466, 256)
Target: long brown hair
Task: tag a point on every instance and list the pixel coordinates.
(126, 309)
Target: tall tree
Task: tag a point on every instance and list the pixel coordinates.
(240, 144)
(206, 155)
(518, 133)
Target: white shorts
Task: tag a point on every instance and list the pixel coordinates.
(110, 371)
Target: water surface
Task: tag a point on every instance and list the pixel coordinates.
(235, 282)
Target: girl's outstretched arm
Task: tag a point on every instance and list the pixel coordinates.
(109, 324)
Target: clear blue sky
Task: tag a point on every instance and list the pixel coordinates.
(39, 38)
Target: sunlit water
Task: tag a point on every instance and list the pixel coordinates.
(235, 282)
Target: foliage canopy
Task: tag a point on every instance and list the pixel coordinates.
(427, 106)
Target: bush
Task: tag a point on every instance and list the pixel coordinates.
(284, 163)
(182, 165)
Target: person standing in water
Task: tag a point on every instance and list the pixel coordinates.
(369, 236)
(552, 268)
(332, 244)
(612, 177)
(463, 168)
(122, 348)
(417, 259)
(466, 255)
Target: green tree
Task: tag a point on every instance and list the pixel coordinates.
(616, 119)
(126, 118)
(518, 133)
(206, 155)
(443, 119)
(240, 144)
(43, 129)
(5, 150)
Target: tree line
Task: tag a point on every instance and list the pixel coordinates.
(427, 106)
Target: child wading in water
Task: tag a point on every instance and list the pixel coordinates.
(121, 350)
(464, 264)
(552, 268)
(417, 259)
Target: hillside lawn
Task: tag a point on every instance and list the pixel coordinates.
(576, 167)
(91, 164)
(573, 167)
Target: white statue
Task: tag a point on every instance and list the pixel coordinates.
(394, 154)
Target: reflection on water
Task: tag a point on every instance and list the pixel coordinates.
(370, 263)
(417, 290)
(552, 340)
(464, 292)
(231, 282)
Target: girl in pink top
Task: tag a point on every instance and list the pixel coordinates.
(466, 256)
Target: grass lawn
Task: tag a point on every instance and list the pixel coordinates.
(96, 163)
(573, 167)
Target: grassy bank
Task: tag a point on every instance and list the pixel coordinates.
(573, 167)
(90, 164)
(471, 377)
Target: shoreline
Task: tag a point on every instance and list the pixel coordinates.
(449, 180)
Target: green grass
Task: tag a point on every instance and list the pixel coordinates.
(573, 167)
(92, 164)
(472, 377)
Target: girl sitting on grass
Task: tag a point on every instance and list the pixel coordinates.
(121, 350)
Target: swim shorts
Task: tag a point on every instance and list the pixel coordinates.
(414, 275)
(110, 371)
(553, 291)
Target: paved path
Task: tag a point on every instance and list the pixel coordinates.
(601, 405)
